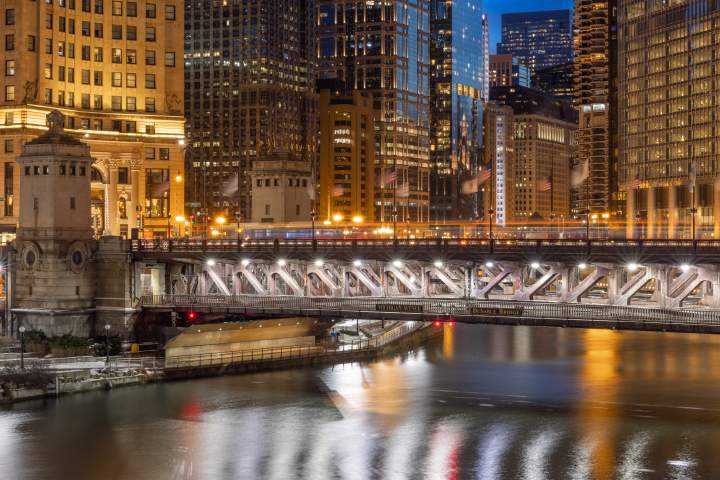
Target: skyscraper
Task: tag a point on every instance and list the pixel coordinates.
(114, 70)
(557, 80)
(668, 135)
(537, 39)
(382, 48)
(250, 91)
(595, 76)
(458, 80)
(507, 71)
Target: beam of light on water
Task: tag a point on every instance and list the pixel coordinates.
(491, 451)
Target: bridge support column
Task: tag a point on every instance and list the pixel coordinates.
(614, 280)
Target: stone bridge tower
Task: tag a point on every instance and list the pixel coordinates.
(54, 287)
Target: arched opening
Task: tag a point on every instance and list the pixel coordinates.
(97, 201)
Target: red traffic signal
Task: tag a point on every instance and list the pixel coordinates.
(438, 322)
(192, 316)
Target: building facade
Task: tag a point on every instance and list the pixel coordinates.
(543, 147)
(114, 70)
(507, 71)
(537, 39)
(282, 189)
(347, 156)
(382, 49)
(595, 78)
(668, 96)
(499, 154)
(250, 91)
(557, 81)
(458, 80)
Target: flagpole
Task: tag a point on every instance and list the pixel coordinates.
(552, 195)
(394, 212)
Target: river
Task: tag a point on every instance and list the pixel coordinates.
(485, 402)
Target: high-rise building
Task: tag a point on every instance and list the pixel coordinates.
(382, 49)
(498, 155)
(458, 80)
(667, 117)
(557, 81)
(250, 92)
(543, 147)
(595, 75)
(347, 156)
(507, 71)
(114, 70)
(537, 39)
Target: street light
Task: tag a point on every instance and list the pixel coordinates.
(438, 263)
(107, 344)
(319, 263)
(357, 263)
(632, 266)
(337, 217)
(489, 264)
(281, 262)
(245, 262)
(397, 264)
(22, 347)
(210, 262)
(357, 219)
(534, 265)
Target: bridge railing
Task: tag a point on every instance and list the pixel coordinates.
(345, 306)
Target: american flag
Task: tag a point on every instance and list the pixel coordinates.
(403, 191)
(634, 184)
(473, 185)
(692, 178)
(546, 185)
(338, 191)
(485, 173)
(388, 177)
(230, 187)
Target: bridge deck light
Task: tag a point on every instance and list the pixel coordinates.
(281, 262)
(357, 263)
(319, 263)
(489, 264)
(438, 263)
(397, 264)
(210, 262)
(582, 265)
(534, 265)
(684, 267)
(245, 262)
(632, 266)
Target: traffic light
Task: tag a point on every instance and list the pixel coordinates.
(192, 316)
(440, 322)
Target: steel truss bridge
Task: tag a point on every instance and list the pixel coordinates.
(659, 285)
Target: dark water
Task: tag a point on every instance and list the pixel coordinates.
(483, 402)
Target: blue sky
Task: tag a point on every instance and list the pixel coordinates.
(495, 8)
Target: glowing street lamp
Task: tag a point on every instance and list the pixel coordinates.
(337, 217)
(220, 220)
(357, 219)
(178, 178)
(180, 218)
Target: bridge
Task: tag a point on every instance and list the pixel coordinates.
(658, 285)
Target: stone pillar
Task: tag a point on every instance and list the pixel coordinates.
(135, 199)
(672, 212)
(630, 214)
(716, 209)
(651, 230)
(111, 190)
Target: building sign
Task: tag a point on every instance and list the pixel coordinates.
(398, 308)
(498, 312)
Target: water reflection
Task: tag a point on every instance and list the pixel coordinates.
(481, 402)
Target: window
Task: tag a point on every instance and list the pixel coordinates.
(72, 206)
(48, 96)
(132, 9)
(97, 125)
(117, 32)
(85, 103)
(169, 12)
(117, 55)
(49, 21)
(61, 97)
(267, 209)
(131, 57)
(150, 104)
(71, 25)
(131, 104)
(9, 68)
(71, 74)
(10, 16)
(149, 34)
(149, 154)
(8, 146)
(116, 103)
(149, 80)
(131, 32)
(47, 71)
(85, 5)
(149, 57)
(61, 73)
(71, 103)
(99, 6)
(150, 128)
(71, 50)
(85, 29)
(48, 46)
(164, 154)
(61, 24)
(150, 10)
(123, 177)
(10, 42)
(98, 78)
(9, 190)
(131, 81)
(98, 54)
(130, 127)
(98, 30)
(10, 93)
(157, 196)
(85, 77)
(169, 59)
(61, 49)
(117, 8)
(117, 79)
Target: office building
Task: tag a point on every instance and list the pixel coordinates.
(556, 81)
(668, 136)
(382, 49)
(282, 188)
(537, 39)
(595, 77)
(543, 147)
(250, 92)
(498, 154)
(114, 70)
(458, 79)
(347, 156)
(507, 71)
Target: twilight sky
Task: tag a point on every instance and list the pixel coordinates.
(495, 8)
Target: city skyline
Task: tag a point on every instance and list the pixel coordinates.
(494, 9)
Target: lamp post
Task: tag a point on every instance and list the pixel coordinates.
(107, 344)
(313, 214)
(22, 347)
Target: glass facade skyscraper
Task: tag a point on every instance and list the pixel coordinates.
(381, 47)
(537, 39)
(458, 82)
